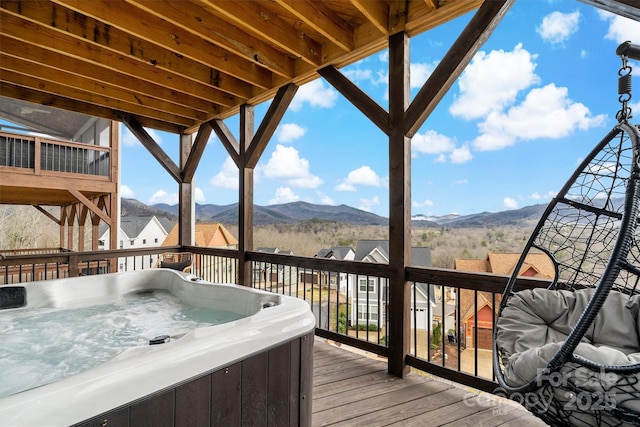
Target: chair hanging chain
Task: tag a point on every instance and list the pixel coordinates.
(624, 90)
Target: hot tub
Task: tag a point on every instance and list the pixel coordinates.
(255, 370)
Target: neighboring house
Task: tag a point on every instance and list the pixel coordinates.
(274, 276)
(479, 310)
(210, 235)
(136, 232)
(333, 280)
(368, 295)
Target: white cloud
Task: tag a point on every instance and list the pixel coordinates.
(127, 192)
(545, 196)
(420, 72)
(199, 195)
(162, 196)
(432, 142)
(316, 94)
(286, 164)
(368, 204)
(492, 81)
(510, 203)
(461, 182)
(556, 27)
(425, 203)
(376, 78)
(546, 112)
(227, 177)
(129, 139)
(284, 195)
(326, 200)
(461, 154)
(620, 28)
(288, 132)
(364, 175)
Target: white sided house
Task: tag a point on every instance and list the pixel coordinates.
(368, 295)
(137, 232)
(335, 281)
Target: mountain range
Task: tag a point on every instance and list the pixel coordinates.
(289, 213)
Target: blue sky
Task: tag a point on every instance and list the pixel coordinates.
(533, 102)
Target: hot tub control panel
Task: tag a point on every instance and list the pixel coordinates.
(12, 297)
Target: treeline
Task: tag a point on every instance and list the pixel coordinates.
(308, 237)
(24, 227)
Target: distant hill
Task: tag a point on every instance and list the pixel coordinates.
(289, 213)
(133, 207)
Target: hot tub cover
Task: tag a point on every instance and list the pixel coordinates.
(535, 323)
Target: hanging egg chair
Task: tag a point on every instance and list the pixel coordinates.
(570, 352)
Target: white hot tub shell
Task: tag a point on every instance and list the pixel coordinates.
(252, 371)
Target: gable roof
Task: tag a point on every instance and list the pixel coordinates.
(372, 249)
(132, 226)
(336, 252)
(210, 235)
(471, 311)
(504, 263)
(365, 247)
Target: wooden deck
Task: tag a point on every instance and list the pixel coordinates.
(350, 389)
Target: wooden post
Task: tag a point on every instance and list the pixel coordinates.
(399, 205)
(113, 198)
(186, 215)
(245, 199)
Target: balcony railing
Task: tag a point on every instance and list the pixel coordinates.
(39, 154)
(348, 299)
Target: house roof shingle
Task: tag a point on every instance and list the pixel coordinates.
(212, 235)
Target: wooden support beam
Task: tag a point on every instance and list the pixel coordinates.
(270, 123)
(63, 221)
(145, 139)
(88, 203)
(357, 97)
(82, 219)
(111, 201)
(47, 214)
(400, 203)
(228, 140)
(71, 219)
(186, 215)
(245, 201)
(195, 154)
(453, 64)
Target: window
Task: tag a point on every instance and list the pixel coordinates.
(366, 284)
(100, 242)
(155, 240)
(121, 244)
(370, 315)
(144, 241)
(131, 242)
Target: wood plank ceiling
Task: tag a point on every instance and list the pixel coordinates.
(173, 65)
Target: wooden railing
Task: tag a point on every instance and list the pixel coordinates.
(40, 154)
(348, 299)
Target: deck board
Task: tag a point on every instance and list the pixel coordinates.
(351, 389)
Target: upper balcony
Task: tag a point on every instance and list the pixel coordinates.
(35, 170)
